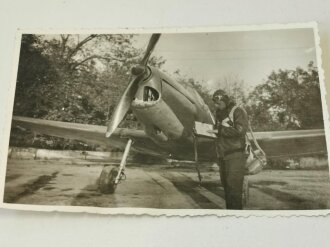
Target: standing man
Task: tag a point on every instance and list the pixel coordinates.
(232, 124)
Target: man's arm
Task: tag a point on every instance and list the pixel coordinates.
(239, 127)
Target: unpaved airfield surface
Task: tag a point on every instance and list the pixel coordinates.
(42, 182)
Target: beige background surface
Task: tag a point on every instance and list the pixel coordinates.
(64, 229)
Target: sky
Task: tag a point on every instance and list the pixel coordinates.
(249, 55)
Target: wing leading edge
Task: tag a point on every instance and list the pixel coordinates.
(277, 144)
(91, 134)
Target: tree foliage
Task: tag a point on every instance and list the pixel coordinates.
(288, 99)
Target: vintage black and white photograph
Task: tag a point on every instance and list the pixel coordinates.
(210, 120)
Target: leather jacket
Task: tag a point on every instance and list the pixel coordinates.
(231, 137)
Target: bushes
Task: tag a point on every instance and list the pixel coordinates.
(303, 163)
(25, 138)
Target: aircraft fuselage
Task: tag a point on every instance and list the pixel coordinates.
(168, 111)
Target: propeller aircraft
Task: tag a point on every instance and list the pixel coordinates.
(168, 111)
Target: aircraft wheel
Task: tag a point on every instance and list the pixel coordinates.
(245, 191)
(107, 180)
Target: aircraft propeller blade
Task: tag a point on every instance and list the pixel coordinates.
(123, 105)
(128, 96)
(152, 43)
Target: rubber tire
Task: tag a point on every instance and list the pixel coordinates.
(107, 180)
(245, 196)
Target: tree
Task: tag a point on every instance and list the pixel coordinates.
(289, 99)
(34, 72)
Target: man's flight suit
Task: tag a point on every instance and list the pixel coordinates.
(231, 152)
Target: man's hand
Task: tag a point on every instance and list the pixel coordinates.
(226, 122)
(212, 131)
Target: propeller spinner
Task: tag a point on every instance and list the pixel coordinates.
(126, 99)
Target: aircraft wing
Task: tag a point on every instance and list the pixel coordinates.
(277, 144)
(90, 134)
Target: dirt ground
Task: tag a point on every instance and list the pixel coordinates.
(42, 182)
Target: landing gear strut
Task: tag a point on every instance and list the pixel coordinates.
(196, 161)
(111, 176)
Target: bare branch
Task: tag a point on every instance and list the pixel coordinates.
(108, 58)
(80, 44)
(64, 41)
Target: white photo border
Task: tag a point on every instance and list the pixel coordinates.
(150, 211)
